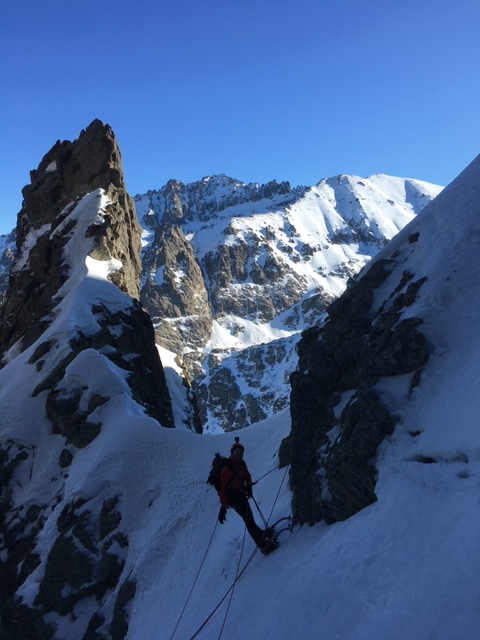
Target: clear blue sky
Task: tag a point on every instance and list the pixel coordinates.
(259, 89)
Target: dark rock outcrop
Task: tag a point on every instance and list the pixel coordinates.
(85, 560)
(203, 200)
(332, 474)
(223, 398)
(68, 172)
(176, 296)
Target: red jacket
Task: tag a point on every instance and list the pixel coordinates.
(238, 481)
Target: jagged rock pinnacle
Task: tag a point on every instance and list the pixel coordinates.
(68, 172)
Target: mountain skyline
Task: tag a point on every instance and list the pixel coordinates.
(6, 220)
(262, 263)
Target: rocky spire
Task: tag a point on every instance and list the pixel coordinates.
(68, 172)
(84, 351)
(46, 224)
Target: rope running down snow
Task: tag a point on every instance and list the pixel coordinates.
(234, 583)
(226, 594)
(195, 581)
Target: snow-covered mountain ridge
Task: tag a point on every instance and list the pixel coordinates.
(115, 537)
(229, 267)
(233, 272)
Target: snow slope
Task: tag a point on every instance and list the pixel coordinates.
(408, 566)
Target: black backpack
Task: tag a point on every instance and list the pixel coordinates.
(218, 463)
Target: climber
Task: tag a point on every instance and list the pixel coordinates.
(235, 490)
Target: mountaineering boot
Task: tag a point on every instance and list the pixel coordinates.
(268, 546)
(268, 543)
(269, 533)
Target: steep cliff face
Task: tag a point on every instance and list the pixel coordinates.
(363, 364)
(198, 265)
(179, 203)
(53, 215)
(7, 259)
(230, 270)
(335, 405)
(68, 172)
(174, 291)
(78, 351)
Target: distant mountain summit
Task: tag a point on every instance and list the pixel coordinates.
(232, 272)
(205, 199)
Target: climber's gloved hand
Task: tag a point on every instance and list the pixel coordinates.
(222, 515)
(249, 492)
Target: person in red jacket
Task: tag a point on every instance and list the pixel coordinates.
(235, 489)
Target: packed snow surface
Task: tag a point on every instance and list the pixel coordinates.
(408, 566)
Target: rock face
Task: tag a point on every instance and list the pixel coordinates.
(72, 316)
(229, 270)
(249, 386)
(85, 559)
(7, 260)
(338, 415)
(197, 267)
(68, 172)
(177, 295)
(228, 266)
